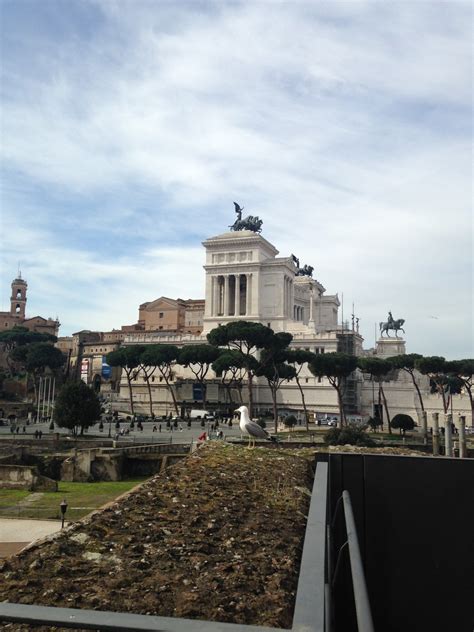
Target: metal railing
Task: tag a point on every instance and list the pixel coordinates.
(351, 544)
(309, 613)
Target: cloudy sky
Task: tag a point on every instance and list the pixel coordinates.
(130, 127)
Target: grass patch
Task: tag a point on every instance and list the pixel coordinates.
(82, 498)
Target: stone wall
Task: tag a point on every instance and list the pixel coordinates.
(25, 477)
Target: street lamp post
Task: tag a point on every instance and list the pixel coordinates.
(63, 506)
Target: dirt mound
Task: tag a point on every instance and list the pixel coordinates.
(218, 537)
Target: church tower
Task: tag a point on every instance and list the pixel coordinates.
(18, 298)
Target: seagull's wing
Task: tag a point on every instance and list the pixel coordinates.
(254, 430)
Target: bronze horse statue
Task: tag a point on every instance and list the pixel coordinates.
(249, 223)
(392, 324)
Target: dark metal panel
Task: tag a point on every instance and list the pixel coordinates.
(344, 473)
(419, 555)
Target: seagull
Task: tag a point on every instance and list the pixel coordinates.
(253, 430)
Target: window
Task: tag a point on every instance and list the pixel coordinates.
(161, 315)
(160, 327)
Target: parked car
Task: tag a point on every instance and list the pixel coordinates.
(199, 413)
(332, 422)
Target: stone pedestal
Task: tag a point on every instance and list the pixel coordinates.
(389, 347)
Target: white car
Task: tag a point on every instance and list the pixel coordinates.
(332, 423)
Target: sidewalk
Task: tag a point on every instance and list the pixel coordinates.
(16, 534)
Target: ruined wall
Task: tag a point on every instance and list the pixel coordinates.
(25, 477)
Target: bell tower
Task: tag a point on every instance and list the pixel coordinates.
(18, 297)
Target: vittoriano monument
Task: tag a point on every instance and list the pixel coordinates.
(249, 223)
(396, 325)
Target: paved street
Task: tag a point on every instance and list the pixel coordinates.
(16, 534)
(176, 436)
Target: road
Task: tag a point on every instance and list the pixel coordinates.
(175, 436)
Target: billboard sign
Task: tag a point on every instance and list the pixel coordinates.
(197, 392)
(85, 370)
(106, 369)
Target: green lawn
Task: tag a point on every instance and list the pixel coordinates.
(82, 498)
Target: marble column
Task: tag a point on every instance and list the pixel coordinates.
(226, 295)
(462, 436)
(311, 305)
(435, 424)
(448, 435)
(237, 294)
(248, 302)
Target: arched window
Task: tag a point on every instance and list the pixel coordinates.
(18, 308)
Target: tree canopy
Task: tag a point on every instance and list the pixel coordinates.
(404, 422)
(18, 336)
(38, 356)
(77, 406)
(335, 367)
(243, 335)
(247, 338)
(379, 369)
(199, 359)
(128, 358)
(163, 358)
(298, 358)
(272, 366)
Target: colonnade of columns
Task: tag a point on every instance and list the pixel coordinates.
(231, 295)
(298, 313)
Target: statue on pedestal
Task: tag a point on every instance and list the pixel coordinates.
(391, 323)
(306, 270)
(249, 223)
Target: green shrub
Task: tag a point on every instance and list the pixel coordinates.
(290, 421)
(404, 422)
(350, 434)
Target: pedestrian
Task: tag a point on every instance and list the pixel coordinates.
(180, 427)
(36, 434)
(40, 434)
(202, 437)
(159, 427)
(154, 428)
(17, 429)
(24, 429)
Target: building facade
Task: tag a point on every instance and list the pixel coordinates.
(246, 280)
(17, 314)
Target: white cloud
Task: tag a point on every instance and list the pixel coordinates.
(344, 125)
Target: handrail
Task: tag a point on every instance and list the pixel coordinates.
(361, 596)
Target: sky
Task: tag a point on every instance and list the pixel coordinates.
(128, 128)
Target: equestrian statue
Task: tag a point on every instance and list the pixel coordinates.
(249, 223)
(396, 325)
